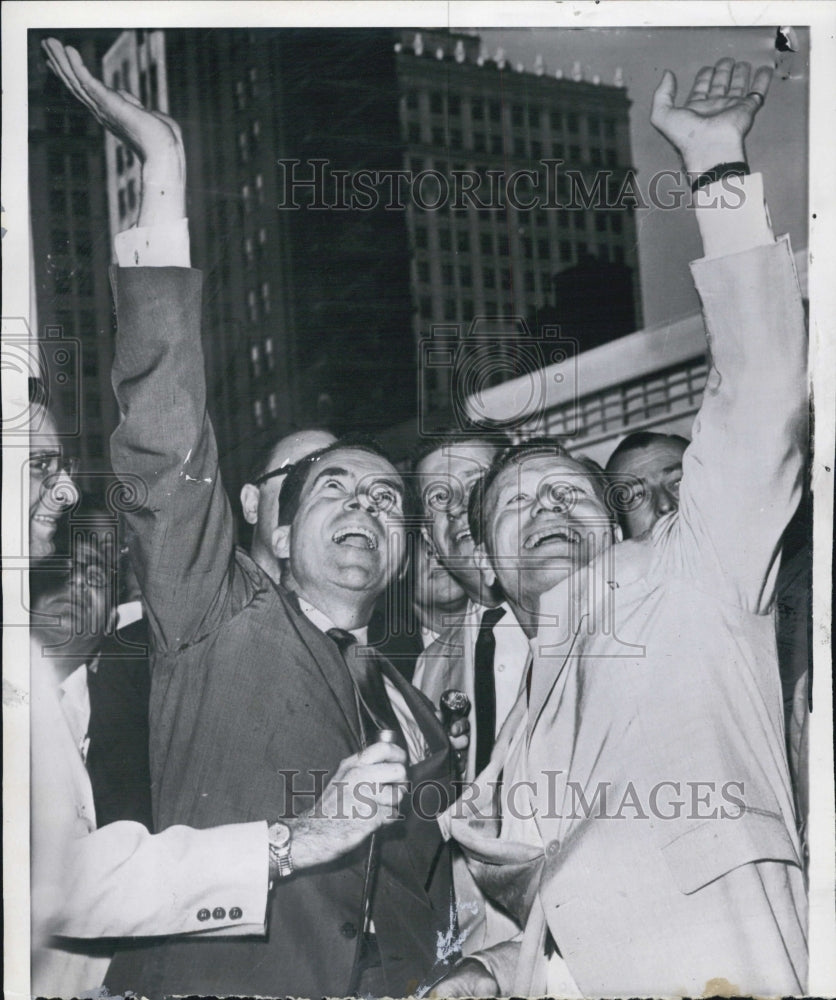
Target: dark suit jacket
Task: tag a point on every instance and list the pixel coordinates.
(252, 707)
(117, 758)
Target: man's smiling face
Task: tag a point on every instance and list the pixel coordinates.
(544, 519)
(446, 478)
(348, 531)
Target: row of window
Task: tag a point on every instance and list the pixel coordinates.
(81, 244)
(259, 305)
(534, 149)
(60, 165)
(124, 159)
(567, 252)
(262, 413)
(491, 110)
(246, 90)
(490, 245)
(248, 140)
(76, 202)
(69, 277)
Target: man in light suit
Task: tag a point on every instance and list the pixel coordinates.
(653, 773)
(261, 701)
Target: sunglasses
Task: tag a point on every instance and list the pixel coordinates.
(283, 470)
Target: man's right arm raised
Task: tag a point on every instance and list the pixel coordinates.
(182, 534)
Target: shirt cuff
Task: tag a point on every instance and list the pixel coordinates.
(732, 216)
(154, 246)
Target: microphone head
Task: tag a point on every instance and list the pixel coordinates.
(454, 704)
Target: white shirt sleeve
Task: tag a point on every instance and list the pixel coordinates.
(732, 216)
(154, 246)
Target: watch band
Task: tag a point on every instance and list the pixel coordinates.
(280, 855)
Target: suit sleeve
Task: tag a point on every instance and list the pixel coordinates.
(164, 451)
(742, 472)
(122, 881)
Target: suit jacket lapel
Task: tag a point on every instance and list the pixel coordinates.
(326, 661)
(421, 838)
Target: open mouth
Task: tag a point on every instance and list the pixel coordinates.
(561, 535)
(462, 536)
(356, 537)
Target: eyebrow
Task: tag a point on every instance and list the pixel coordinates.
(332, 470)
(392, 484)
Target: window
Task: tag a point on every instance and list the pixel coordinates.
(131, 195)
(529, 281)
(556, 120)
(600, 222)
(255, 361)
(479, 142)
(265, 297)
(574, 154)
(534, 117)
(256, 130)
(245, 197)
(425, 306)
(467, 309)
(596, 157)
(495, 111)
(519, 146)
(463, 242)
(412, 100)
(506, 279)
(248, 249)
(269, 359)
(578, 219)
(240, 95)
(129, 157)
(536, 149)
(615, 222)
(259, 188)
(258, 413)
(252, 307)
(582, 249)
(449, 308)
(609, 128)
(436, 104)
(454, 104)
(84, 279)
(486, 244)
(444, 239)
(496, 144)
(603, 252)
(516, 114)
(488, 277)
(262, 236)
(414, 132)
(565, 250)
(122, 206)
(563, 220)
(55, 164)
(120, 160)
(465, 277)
(253, 77)
(243, 147)
(456, 137)
(503, 246)
(421, 237)
(543, 249)
(447, 274)
(116, 81)
(60, 240)
(572, 122)
(593, 124)
(272, 406)
(423, 271)
(477, 110)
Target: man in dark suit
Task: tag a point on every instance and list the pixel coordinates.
(261, 702)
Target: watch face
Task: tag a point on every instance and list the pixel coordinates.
(280, 835)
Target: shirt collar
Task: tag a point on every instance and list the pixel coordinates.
(321, 621)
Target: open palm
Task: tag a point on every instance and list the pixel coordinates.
(717, 115)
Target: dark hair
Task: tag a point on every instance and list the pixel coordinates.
(515, 455)
(446, 436)
(641, 439)
(297, 478)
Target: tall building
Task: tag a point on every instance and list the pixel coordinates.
(71, 250)
(535, 145)
(328, 179)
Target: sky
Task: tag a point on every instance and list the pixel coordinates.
(777, 144)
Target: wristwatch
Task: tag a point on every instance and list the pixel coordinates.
(279, 837)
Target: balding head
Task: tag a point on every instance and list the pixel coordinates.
(260, 496)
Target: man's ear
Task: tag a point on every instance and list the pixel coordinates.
(480, 555)
(249, 502)
(426, 534)
(281, 541)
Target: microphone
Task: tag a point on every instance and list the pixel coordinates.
(454, 705)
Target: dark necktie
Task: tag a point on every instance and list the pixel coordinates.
(375, 709)
(484, 687)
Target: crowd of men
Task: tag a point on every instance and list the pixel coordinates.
(268, 805)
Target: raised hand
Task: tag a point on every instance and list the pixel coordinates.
(154, 137)
(710, 128)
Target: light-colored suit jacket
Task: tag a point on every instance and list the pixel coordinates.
(120, 880)
(655, 728)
